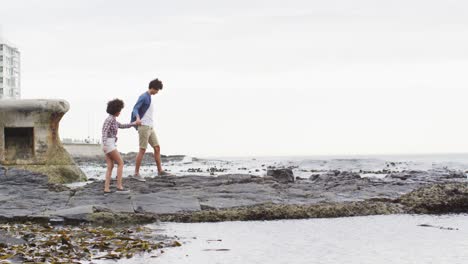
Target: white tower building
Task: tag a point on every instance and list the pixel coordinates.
(10, 83)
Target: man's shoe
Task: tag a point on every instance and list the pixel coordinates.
(138, 178)
(122, 191)
(164, 174)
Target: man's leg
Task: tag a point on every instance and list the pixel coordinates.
(143, 135)
(138, 160)
(153, 141)
(157, 158)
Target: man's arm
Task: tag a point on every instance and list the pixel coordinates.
(129, 125)
(137, 107)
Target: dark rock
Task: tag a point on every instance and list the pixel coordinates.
(199, 170)
(207, 207)
(349, 175)
(457, 175)
(56, 221)
(437, 199)
(215, 169)
(6, 240)
(314, 177)
(282, 175)
(336, 176)
(278, 211)
(438, 227)
(236, 177)
(53, 187)
(19, 177)
(401, 176)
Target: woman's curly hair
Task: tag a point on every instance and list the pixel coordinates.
(114, 106)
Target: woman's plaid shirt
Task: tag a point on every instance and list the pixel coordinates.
(110, 128)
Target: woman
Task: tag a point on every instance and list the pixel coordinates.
(109, 138)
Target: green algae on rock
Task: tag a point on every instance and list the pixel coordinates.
(72, 244)
(437, 199)
(279, 211)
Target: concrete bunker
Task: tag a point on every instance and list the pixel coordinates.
(29, 139)
(19, 143)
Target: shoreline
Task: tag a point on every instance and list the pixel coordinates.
(29, 200)
(28, 197)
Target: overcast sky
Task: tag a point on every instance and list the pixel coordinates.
(251, 77)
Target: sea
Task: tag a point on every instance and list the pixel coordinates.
(302, 166)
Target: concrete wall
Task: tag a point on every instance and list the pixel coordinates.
(84, 150)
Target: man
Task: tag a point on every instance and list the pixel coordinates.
(143, 111)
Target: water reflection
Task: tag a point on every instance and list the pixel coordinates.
(379, 239)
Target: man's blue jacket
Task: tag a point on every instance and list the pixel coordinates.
(141, 106)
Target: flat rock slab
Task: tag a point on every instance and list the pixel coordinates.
(162, 204)
(5, 239)
(25, 195)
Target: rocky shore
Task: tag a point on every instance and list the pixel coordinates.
(27, 196)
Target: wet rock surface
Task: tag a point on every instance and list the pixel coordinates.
(282, 175)
(438, 198)
(28, 196)
(8, 240)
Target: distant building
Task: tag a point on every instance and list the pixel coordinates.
(10, 82)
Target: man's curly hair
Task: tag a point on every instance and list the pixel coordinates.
(114, 106)
(155, 84)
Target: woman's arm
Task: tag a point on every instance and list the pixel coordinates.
(126, 125)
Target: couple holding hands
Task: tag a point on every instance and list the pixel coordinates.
(142, 119)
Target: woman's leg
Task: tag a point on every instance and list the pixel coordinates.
(115, 155)
(110, 167)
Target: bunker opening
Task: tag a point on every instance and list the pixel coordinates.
(19, 143)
